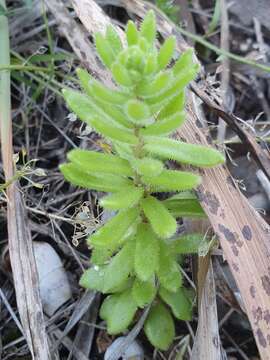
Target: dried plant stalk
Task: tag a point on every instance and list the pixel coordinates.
(20, 244)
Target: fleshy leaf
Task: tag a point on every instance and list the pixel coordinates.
(175, 105)
(104, 50)
(184, 204)
(179, 302)
(169, 274)
(159, 327)
(160, 83)
(125, 198)
(166, 52)
(146, 252)
(148, 166)
(143, 292)
(165, 126)
(118, 310)
(108, 183)
(162, 222)
(183, 62)
(132, 33)
(121, 75)
(113, 132)
(119, 267)
(92, 161)
(100, 92)
(79, 103)
(138, 112)
(93, 278)
(196, 155)
(150, 64)
(187, 244)
(113, 39)
(148, 27)
(112, 233)
(172, 180)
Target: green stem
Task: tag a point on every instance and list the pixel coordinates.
(24, 68)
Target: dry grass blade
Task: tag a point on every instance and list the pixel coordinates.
(20, 244)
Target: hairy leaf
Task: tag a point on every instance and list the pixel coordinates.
(138, 112)
(187, 244)
(119, 267)
(118, 310)
(113, 132)
(132, 33)
(93, 278)
(121, 75)
(146, 252)
(79, 103)
(179, 302)
(160, 83)
(184, 62)
(143, 292)
(169, 274)
(104, 50)
(147, 166)
(175, 105)
(76, 176)
(162, 222)
(159, 327)
(111, 234)
(184, 204)
(125, 198)
(148, 27)
(113, 39)
(196, 155)
(92, 161)
(99, 91)
(166, 52)
(165, 126)
(172, 180)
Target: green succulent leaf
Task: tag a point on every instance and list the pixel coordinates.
(172, 180)
(114, 40)
(125, 198)
(108, 182)
(132, 33)
(118, 310)
(179, 302)
(166, 52)
(121, 74)
(187, 244)
(93, 278)
(183, 62)
(146, 252)
(165, 126)
(144, 292)
(148, 27)
(112, 233)
(196, 155)
(162, 222)
(184, 204)
(92, 161)
(138, 112)
(119, 268)
(159, 327)
(160, 83)
(96, 90)
(176, 87)
(168, 273)
(148, 166)
(104, 50)
(113, 132)
(79, 103)
(175, 105)
(151, 64)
